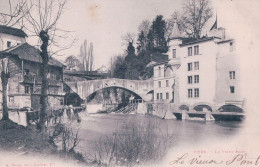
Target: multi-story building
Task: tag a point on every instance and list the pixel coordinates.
(24, 60)
(201, 71)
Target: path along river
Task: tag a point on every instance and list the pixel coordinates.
(93, 126)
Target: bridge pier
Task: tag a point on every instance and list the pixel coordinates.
(184, 115)
(208, 116)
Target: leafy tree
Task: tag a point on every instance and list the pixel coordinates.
(130, 49)
(72, 61)
(120, 70)
(141, 41)
(156, 36)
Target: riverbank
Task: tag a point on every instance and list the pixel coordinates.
(28, 141)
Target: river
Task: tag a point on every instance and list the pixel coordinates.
(93, 126)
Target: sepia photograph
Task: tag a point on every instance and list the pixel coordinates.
(158, 83)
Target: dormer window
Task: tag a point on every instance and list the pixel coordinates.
(8, 44)
(174, 53)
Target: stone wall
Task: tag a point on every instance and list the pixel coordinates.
(160, 109)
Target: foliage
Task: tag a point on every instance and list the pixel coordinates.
(73, 61)
(156, 36)
(137, 142)
(151, 39)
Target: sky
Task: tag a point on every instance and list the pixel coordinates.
(103, 22)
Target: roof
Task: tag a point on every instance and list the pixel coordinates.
(224, 41)
(30, 53)
(12, 31)
(189, 41)
(158, 58)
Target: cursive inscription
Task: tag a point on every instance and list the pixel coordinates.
(238, 159)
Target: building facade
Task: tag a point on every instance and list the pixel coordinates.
(24, 84)
(203, 71)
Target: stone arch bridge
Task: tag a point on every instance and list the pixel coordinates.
(138, 87)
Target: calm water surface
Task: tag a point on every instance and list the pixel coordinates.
(93, 126)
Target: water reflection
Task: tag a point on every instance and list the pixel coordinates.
(95, 125)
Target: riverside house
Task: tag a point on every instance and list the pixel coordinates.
(199, 72)
(24, 85)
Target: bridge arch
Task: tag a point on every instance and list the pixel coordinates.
(184, 106)
(199, 106)
(123, 88)
(230, 108)
(138, 87)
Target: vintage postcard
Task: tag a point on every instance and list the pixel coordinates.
(172, 83)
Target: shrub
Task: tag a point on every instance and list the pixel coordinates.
(136, 142)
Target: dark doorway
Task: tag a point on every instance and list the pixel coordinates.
(72, 99)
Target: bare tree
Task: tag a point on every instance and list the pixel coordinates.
(87, 56)
(142, 40)
(127, 38)
(195, 15)
(4, 78)
(41, 20)
(84, 55)
(11, 18)
(91, 56)
(144, 26)
(14, 15)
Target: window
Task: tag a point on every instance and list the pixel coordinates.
(196, 92)
(167, 95)
(167, 83)
(61, 102)
(232, 89)
(52, 76)
(8, 44)
(159, 84)
(196, 65)
(189, 51)
(196, 50)
(26, 89)
(196, 78)
(159, 71)
(173, 97)
(189, 79)
(157, 96)
(231, 46)
(189, 66)
(174, 53)
(232, 74)
(11, 98)
(161, 96)
(189, 93)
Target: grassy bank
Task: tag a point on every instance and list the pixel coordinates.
(58, 141)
